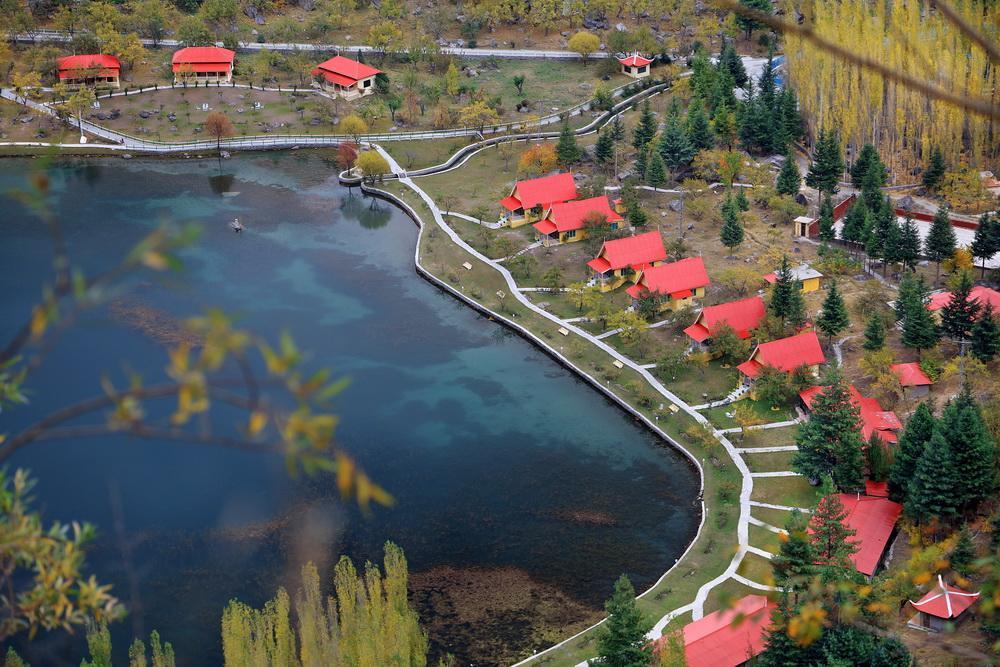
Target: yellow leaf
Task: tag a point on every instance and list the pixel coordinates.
(258, 420)
(154, 260)
(39, 321)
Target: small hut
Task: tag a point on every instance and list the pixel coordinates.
(943, 605)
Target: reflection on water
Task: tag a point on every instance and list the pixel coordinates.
(521, 493)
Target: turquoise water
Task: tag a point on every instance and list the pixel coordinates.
(504, 466)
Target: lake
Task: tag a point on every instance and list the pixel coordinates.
(521, 493)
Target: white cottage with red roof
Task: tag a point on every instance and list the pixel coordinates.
(786, 355)
(567, 222)
(741, 316)
(729, 637)
(678, 283)
(203, 64)
(99, 70)
(622, 259)
(943, 605)
(635, 66)
(529, 200)
(346, 78)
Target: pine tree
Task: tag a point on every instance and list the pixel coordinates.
(855, 223)
(972, 450)
(730, 61)
(831, 540)
(636, 216)
(786, 298)
(622, 641)
(794, 564)
(827, 231)
(604, 149)
(834, 318)
(642, 161)
(674, 146)
(645, 129)
(920, 331)
(656, 173)
(961, 311)
(868, 158)
(830, 442)
(828, 163)
(909, 244)
(912, 442)
(699, 132)
(617, 129)
(985, 335)
(566, 150)
(935, 169)
(789, 179)
(874, 333)
(963, 554)
(987, 240)
(933, 489)
(750, 24)
(731, 232)
(742, 203)
(724, 125)
(940, 242)
(791, 117)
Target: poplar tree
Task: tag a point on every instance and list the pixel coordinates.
(656, 174)
(985, 335)
(604, 149)
(940, 242)
(874, 333)
(831, 541)
(972, 450)
(935, 169)
(834, 318)
(961, 311)
(828, 163)
(827, 232)
(932, 491)
(731, 232)
(789, 179)
(912, 442)
(794, 564)
(645, 129)
(674, 146)
(699, 131)
(909, 244)
(987, 240)
(566, 149)
(830, 441)
(622, 641)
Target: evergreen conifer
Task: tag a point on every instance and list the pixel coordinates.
(656, 174)
(972, 450)
(731, 62)
(622, 640)
(855, 223)
(961, 311)
(831, 540)
(868, 158)
(731, 232)
(789, 179)
(699, 131)
(830, 442)
(566, 149)
(909, 244)
(642, 161)
(987, 240)
(933, 489)
(674, 147)
(985, 335)
(828, 163)
(742, 203)
(834, 318)
(645, 129)
(912, 441)
(935, 169)
(794, 564)
(604, 149)
(940, 242)
(827, 231)
(874, 333)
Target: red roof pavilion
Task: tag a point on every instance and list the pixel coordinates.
(72, 67)
(543, 192)
(203, 59)
(911, 375)
(729, 637)
(344, 71)
(944, 601)
(873, 520)
(634, 60)
(567, 216)
(637, 252)
(785, 354)
(979, 293)
(743, 316)
(678, 280)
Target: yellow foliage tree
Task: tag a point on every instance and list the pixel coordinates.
(371, 165)
(353, 125)
(584, 43)
(478, 115)
(538, 159)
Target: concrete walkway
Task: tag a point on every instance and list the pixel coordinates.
(475, 221)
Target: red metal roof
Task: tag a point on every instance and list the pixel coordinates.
(333, 78)
(743, 316)
(599, 264)
(785, 354)
(632, 250)
(544, 226)
(873, 520)
(983, 294)
(69, 66)
(874, 419)
(911, 375)
(345, 69)
(634, 60)
(673, 278)
(729, 637)
(876, 489)
(204, 55)
(510, 203)
(202, 67)
(567, 216)
(545, 191)
(945, 601)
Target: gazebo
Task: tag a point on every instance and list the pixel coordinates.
(635, 66)
(942, 605)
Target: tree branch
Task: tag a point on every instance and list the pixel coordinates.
(963, 26)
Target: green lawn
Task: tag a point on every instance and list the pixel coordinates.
(772, 437)
(762, 538)
(718, 415)
(726, 594)
(697, 386)
(420, 153)
(789, 491)
(769, 462)
(757, 568)
(776, 518)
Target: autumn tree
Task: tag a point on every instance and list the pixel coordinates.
(218, 125)
(584, 43)
(370, 165)
(353, 125)
(538, 159)
(478, 115)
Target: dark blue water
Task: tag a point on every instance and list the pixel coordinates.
(522, 494)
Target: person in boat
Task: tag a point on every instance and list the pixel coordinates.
(236, 225)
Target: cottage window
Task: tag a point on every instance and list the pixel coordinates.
(368, 83)
(571, 233)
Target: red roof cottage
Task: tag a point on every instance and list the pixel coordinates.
(528, 200)
(979, 293)
(621, 259)
(874, 420)
(912, 379)
(742, 316)
(347, 78)
(785, 354)
(942, 605)
(729, 637)
(98, 69)
(678, 282)
(208, 64)
(873, 520)
(565, 222)
(635, 66)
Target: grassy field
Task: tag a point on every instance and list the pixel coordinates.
(725, 594)
(720, 415)
(757, 568)
(776, 518)
(762, 538)
(19, 124)
(772, 437)
(769, 461)
(788, 491)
